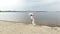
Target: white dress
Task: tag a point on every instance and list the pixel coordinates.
(32, 19)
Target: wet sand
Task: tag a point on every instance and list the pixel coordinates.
(21, 28)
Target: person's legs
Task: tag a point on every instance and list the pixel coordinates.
(33, 23)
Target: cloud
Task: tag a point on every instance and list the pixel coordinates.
(55, 7)
(30, 5)
(44, 5)
(12, 5)
(47, 1)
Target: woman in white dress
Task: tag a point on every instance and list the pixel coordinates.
(32, 18)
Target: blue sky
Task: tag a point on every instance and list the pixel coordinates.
(30, 5)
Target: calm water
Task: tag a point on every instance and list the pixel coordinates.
(48, 18)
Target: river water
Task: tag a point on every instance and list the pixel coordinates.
(48, 18)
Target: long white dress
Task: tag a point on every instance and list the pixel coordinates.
(32, 19)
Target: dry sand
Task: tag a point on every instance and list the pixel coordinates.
(21, 28)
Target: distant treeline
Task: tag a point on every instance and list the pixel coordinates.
(23, 11)
(29, 11)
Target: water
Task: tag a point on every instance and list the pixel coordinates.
(47, 18)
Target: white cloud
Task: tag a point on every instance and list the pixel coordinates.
(47, 1)
(45, 5)
(32, 5)
(11, 5)
(55, 7)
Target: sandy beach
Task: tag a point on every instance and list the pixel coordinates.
(21, 28)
